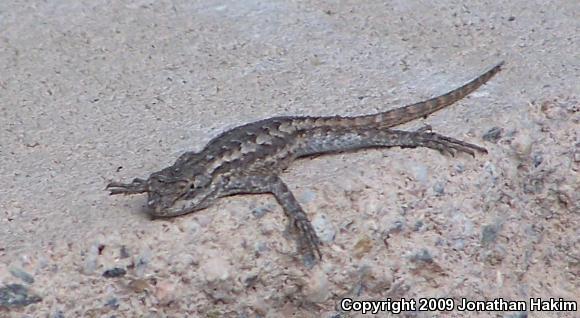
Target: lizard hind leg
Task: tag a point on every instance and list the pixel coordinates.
(446, 144)
(331, 140)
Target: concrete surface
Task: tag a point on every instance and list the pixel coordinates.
(93, 91)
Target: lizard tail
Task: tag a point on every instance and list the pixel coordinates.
(411, 112)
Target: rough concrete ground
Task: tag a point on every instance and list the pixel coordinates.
(93, 91)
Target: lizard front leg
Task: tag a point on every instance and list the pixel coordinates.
(298, 220)
(137, 186)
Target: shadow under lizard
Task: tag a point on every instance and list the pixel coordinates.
(248, 159)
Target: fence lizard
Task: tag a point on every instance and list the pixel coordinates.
(249, 158)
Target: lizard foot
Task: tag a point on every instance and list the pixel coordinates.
(451, 146)
(307, 240)
(135, 187)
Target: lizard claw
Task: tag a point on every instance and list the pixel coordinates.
(308, 239)
(137, 186)
(451, 146)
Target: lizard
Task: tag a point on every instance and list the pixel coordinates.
(249, 159)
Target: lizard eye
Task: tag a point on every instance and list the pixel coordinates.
(188, 185)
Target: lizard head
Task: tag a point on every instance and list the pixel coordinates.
(170, 191)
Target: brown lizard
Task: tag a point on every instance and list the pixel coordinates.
(249, 158)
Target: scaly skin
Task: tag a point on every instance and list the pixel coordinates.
(249, 158)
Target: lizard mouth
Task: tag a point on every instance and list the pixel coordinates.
(160, 205)
(156, 202)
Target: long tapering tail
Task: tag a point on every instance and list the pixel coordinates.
(408, 113)
(397, 116)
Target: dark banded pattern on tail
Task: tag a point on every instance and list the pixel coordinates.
(411, 112)
(396, 116)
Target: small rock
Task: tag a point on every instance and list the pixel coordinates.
(418, 225)
(260, 211)
(139, 285)
(164, 291)
(250, 280)
(142, 262)
(420, 172)
(522, 144)
(214, 314)
(554, 109)
(204, 220)
(317, 287)
(307, 196)
(563, 199)
(491, 170)
(309, 260)
(537, 159)
(191, 226)
(57, 314)
(489, 234)
(458, 244)
(423, 256)
(533, 185)
(123, 252)
(324, 228)
(396, 227)
(376, 280)
(459, 168)
(362, 247)
(91, 256)
(494, 256)
(16, 295)
(459, 220)
(114, 272)
(261, 247)
(112, 303)
(576, 155)
(183, 262)
(24, 276)
(439, 188)
(216, 269)
(493, 135)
